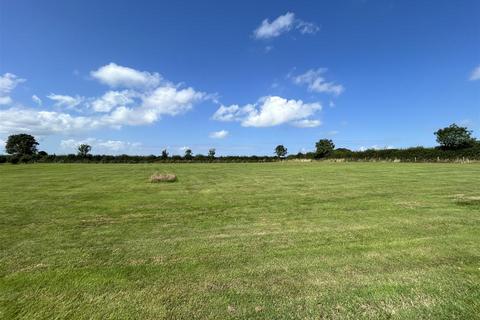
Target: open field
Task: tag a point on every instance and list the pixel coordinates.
(266, 241)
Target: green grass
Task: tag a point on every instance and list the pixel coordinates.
(240, 241)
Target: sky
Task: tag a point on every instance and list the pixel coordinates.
(136, 77)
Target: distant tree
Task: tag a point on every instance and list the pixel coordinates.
(454, 137)
(323, 148)
(21, 144)
(280, 151)
(42, 153)
(164, 155)
(84, 149)
(211, 153)
(188, 154)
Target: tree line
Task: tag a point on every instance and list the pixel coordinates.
(455, 142)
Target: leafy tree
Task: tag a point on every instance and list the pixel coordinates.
(21, 144)
(188, 154)
(280, 151)
(84, 149)
(211, 153)
(454, 137)
(164, 155)
(323, 148)
(42, 153)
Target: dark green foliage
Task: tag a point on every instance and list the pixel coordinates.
(188, 154)
(164, 155)
(84, 149)
(211, 153)
(280, 151)
(323, 148)
(21, 144)
(454, 137)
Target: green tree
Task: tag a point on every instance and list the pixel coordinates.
(188, 154)
(211, 153)
(280, 151)
(323, 148)
(164, 155)
(84, 149)
(21, 145)
(454, 137)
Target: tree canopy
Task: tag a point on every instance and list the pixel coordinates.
(323, 148)
(280, 151)
(455, 137)
(21, 144)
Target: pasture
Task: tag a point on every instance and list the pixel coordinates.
(240, 241)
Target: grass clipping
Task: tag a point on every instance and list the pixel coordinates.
(162, 177)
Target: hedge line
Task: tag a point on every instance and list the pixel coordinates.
(418, 154)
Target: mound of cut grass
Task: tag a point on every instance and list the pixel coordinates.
(163, 177)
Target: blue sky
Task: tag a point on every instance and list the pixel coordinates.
(139, 76)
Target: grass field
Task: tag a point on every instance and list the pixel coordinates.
(256, 241)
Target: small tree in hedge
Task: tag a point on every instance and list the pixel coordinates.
(188, 154)
(323, 148)
(454, 137)
(164, 155)
(83, 150)
(280, 151)
(211, 153)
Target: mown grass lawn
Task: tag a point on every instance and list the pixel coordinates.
(256, 241)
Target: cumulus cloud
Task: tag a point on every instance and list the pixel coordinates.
(116, 76)
(16, 120)
(283, 24)
(37, 100)
(8, 82)
(269, 111)
(114, 109)
(475, 74)
(315, 81)
(65, 101)
(112, 99)
(101, 146)
(307, 123)
(219, 134)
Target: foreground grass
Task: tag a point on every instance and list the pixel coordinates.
(266, 241)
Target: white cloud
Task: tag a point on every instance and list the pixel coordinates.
(115, 76)
(269, 111)
(115, 109)
(232, 113)
(219, 134)
(316, 82)
(64, 101)
(112, 99)
(8, 82)
(282, 24)
(333, 133)
(16, 120)
(307, 123)
(307, 27)
(5, 100)
(101, 146)
(37, 100)
(275, 28)
(475, 74)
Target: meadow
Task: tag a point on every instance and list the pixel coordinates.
(240, 241)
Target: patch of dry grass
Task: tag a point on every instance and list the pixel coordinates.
(163, 177)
